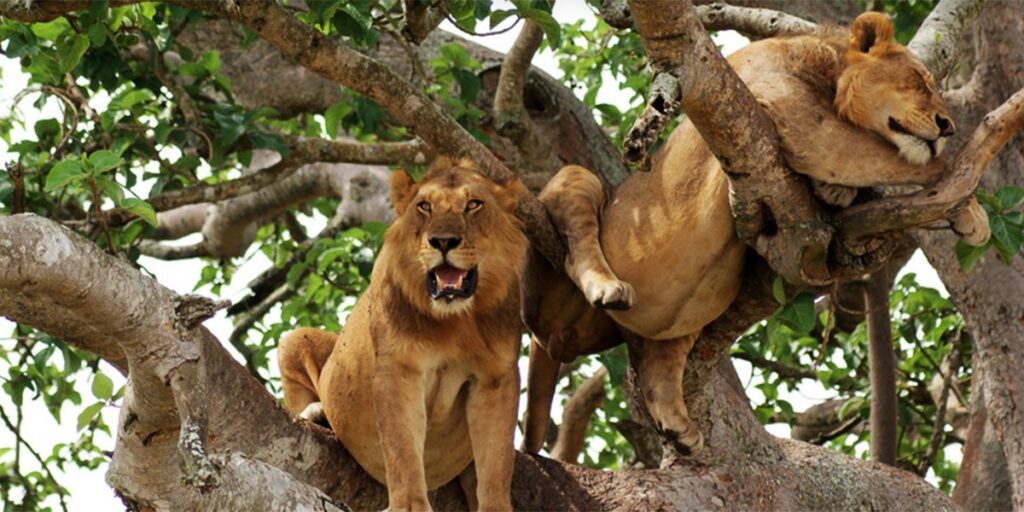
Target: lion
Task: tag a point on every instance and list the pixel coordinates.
(422, 384)
(853, 109)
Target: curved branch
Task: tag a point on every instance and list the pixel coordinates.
(949, 194)
(302, 151)
(576, 417)
(509, 109)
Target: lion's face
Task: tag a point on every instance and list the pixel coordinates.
(464, 246)
(885, 89)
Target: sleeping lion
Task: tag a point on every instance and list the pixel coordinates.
(669, 233)
(422, 382)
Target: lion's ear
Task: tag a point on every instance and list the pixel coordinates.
(871, 31)
(403, 189)
(508, 195)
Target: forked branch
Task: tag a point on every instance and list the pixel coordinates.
(949, 194)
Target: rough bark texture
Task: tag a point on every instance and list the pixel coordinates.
(991, 297)
(147, 325)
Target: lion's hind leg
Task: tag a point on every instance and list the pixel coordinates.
(660, 372)
(301, 355)
(574, 198)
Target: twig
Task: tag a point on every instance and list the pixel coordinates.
(938, 428)
(20, 441)
(168, 252)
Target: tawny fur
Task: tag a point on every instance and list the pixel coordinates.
(669, 233)
(418, 389)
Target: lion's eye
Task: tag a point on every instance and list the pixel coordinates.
(474, 205)
(423, 206)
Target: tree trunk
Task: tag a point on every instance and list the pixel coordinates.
(882, 362)
(991, 297)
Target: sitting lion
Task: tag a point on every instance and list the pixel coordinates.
(423, 382)
(670, 233)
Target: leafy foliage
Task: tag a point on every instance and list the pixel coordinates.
(926, 328)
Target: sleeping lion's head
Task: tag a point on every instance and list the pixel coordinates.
(459, 246)
(885, 89)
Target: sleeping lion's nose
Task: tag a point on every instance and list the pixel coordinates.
(945, 124)
(445, 243)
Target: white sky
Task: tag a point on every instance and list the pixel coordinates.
(89, 491)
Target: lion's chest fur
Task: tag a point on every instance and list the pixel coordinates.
(449, 354)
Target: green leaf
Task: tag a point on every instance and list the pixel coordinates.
(779, 290)
(456, 54)
(968, 255)
(548, 24)
(799, 314)
(102, 387)
(142, 209)
(615, 361)
(327, 257)
(111, 189)
(852, 405)
(62, 174)
(69, 55)
(88, 414)
(269, 141)
(97, 34)
(1006, 238)
(469, 84)
(1010, 196)
(104, 160)
(131, 98)
(333, 116)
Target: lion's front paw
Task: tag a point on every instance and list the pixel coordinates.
(607, 293)
(835, 195)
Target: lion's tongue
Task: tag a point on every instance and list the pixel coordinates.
(450, 277)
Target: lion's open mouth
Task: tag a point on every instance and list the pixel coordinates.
(450, 283)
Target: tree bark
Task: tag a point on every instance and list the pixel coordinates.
(991, 297)
(882, 365)
(66, 286)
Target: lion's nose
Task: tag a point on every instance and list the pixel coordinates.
(445, 243)
(945, 124)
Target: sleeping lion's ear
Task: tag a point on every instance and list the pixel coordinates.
(871, 31)
(403, 189)
(508, 194)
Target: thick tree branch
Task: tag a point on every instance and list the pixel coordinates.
(937, 39)
(509, 110)
(752, 21)
(746, 145)
(65, 285)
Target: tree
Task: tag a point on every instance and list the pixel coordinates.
(197, 110)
